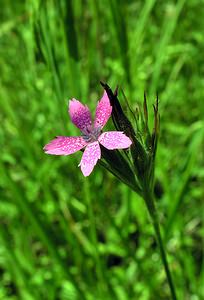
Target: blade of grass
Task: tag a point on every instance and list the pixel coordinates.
(102, 284)
(138, 34)
(184, 179)
(39, 229)
(14, 268)
(119, 24)
(166, 34)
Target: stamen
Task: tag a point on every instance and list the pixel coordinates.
(91, 134)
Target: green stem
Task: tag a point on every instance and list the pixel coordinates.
(149, 200)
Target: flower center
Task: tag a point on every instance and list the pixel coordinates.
(91, 134)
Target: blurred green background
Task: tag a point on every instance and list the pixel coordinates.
(66, 237)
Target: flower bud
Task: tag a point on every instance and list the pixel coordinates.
(122, 122)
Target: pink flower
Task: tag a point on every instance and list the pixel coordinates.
(91, 136)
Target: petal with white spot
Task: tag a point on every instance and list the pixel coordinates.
(91, 155)
(80, 114)
(64, 145)
(114, 140)
(103, 111)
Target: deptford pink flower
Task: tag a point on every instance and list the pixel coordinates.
(91, 136)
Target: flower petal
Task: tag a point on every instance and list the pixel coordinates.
(103, 111)
(114, 140)
(80, 114)
(90, 157)
(64, 145)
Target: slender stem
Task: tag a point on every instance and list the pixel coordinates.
(149, 200)
(164, 259)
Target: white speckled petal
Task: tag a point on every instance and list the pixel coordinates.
(114, 140)
(103, 111)
(64, 145)
(80, 114)
(91, 155)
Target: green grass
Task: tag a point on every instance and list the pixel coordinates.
(66, 237)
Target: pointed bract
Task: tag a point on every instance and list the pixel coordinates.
(91, 155)
(103, 111)
(80, 114)
(63, 145)
(114, 140)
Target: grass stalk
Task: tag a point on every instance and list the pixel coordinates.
(40, 231)
(14, 267)
(93, 234)
(149, 200)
